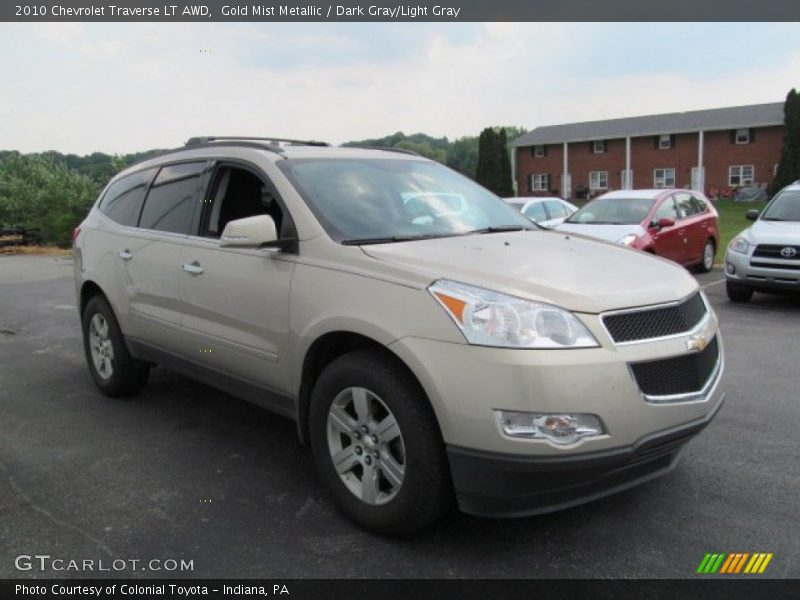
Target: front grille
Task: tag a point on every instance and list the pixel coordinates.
(773, 251)
(656, 322)
(785, 266)
(685, 374)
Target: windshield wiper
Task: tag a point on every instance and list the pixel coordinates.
(394, 238)
(497, 229)
(772, 219)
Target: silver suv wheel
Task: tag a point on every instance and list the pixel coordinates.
(101, 346)
(366, 445)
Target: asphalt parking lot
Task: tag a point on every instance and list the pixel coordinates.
(185, 472)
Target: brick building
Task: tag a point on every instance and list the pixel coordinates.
(708, 150)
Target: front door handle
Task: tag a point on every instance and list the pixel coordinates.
(125, 254)
(194, 268)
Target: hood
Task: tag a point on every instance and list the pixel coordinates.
(571, 271)
(612, 233)
(775, 232)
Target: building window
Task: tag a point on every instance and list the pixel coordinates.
(540, 182)
(742, 136)
(664, 178)
(598, 180)
(539, 151)
(664, 142)
(599, 146)
(741, 175)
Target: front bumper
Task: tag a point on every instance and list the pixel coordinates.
(766, 274)
(501, 485)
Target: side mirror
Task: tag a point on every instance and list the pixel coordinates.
(752, 215)
(250, 232)
(665, 222)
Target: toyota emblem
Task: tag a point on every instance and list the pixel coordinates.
(788, 252)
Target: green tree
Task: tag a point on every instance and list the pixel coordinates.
(494, 168)
(38, 191)
(789, 165)
(462, 155)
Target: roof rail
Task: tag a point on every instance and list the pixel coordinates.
(200, 140)
(384, 148)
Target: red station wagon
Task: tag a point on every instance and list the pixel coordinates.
(680, 225)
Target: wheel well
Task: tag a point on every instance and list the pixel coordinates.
(88, 291)
(322, 352)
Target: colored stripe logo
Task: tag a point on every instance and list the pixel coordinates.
(735, 563)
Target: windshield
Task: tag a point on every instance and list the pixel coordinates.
(613, 211)
(385, 200)
(784, 207)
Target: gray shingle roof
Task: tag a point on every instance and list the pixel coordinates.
(754, 115)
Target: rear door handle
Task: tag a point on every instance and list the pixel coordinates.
(125, 254)
(194, 268)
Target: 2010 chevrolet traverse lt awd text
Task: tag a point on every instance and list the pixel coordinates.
(431, 343)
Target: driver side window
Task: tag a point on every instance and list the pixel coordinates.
(237, 193)
(667, 210)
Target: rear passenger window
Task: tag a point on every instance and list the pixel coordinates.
(171, 200)
(122, 202)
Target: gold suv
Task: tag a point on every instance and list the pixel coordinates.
(432, 344)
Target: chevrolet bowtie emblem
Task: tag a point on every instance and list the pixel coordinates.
(698, 342)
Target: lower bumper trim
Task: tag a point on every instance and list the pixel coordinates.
(498, 485)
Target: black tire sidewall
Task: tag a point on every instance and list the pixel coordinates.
(425, 492)
(128, 374)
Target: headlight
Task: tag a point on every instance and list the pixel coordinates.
(627, 240)
(557, 428)
(739, 245)
(488, 318)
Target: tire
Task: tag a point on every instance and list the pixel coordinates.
(707, 260)
(738, 293)
(411, 452)
(113, 369)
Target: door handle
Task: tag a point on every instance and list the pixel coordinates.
(125, 254)
(194, 268)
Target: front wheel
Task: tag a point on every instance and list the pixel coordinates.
(738, 293)
(113, 369)
(377, 446)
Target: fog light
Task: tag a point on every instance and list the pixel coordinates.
(558, 428)
(730, 269)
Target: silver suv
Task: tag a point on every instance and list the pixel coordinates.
(766, 256)
(431, 343)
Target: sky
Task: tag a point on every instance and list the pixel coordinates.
(127, 87)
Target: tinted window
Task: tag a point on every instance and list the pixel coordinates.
(699, 205)
(556, 209)
(123, 200)
(172, 196)
(536, 212)
(369, 200)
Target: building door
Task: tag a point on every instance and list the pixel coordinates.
(566, 186)
(698, 179)
(627, 179)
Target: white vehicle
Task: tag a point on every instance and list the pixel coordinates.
(549, 212)
(765, 257)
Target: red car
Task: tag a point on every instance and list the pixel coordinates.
(680, 225)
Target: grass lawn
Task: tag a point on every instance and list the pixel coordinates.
(732, 221)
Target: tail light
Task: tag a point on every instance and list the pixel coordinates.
(75, 233)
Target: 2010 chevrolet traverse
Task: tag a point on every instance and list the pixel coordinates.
(431, 343)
